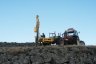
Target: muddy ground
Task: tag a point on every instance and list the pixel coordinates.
(31, 54)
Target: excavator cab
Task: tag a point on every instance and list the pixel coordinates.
(52, 35)
(47, 40)
(52, 39)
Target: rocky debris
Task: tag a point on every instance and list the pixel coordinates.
(48, 55)
(15, 44)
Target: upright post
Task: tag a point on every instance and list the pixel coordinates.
(37, 29)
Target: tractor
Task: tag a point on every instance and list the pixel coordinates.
(71, 37)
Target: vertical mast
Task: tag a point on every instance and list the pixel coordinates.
(37, 29)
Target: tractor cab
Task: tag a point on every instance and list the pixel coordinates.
(71, 32)
(71, 36)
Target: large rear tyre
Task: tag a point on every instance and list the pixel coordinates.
(45, 44)
(62, 43)
(82, 43)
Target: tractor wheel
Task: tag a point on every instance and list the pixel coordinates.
(66, 43)
(45, 44)
(78, 42)
(62, 43)
(82, 43)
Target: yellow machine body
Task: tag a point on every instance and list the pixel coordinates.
(46, 40)
(35, 29)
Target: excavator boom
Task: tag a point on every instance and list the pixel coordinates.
(36, 29)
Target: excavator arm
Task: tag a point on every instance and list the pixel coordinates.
(36, 29)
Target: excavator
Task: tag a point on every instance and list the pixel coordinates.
(52, 39)
(69, 37)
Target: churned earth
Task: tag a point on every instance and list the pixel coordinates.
(31, 54)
